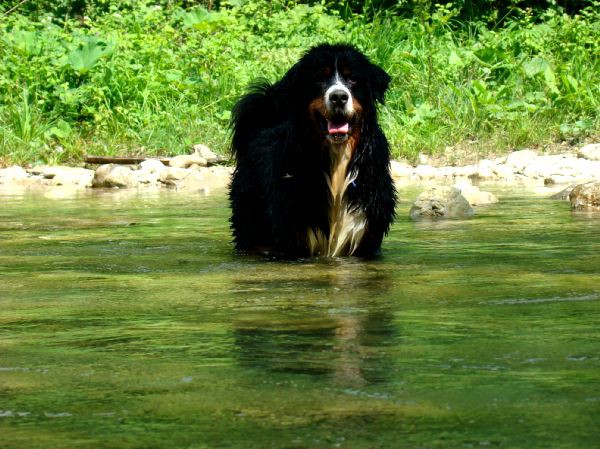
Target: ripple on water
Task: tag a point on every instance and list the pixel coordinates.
(158, 335)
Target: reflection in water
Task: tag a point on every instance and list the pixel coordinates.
(350, 322)
(128, 322)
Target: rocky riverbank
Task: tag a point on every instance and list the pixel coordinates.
(519, 167)
(203, 171)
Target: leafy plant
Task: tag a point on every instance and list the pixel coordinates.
(163, 74)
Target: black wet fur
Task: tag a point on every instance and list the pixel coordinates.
(278, 189)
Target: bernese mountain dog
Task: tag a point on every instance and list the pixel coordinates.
(312, 175)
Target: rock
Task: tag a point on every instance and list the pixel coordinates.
(204, 152)
(518, 160)
(64, 176)
(466, 171)
(561, 168)
(150, 171)
(400, 169)
(503, 172)
(217, 177)
(114, 175)
(187, 160)
(152, 165)
(586, 197)
(474, 196)
(426, 172)
(591, 152)
(563, 195)
(441, 202)
(12, 174)
(486, 169)
(423, 159)
(203, 180)
(171, 174)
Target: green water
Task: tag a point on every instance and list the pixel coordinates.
(127, 322)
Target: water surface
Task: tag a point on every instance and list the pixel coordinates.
(126, 321)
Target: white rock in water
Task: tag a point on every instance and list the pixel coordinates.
(441, 202)
(591, 152)
(586, 197)
(114, 175)
(474, 196)
(187, 160)
(518, 160)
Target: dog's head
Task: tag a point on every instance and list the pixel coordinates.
(338, 87)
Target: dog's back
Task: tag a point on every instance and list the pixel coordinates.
(256, 111)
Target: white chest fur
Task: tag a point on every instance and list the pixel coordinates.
(347, 225)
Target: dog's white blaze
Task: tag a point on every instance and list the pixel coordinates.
(347, 225)
(339, 85)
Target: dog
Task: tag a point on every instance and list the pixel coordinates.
(312, 175)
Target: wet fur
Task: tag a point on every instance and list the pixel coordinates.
(294, 193)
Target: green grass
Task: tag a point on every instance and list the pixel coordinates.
(153, 80)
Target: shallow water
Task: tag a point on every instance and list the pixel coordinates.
(127, 322)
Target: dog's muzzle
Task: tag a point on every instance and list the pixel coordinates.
(338, 103)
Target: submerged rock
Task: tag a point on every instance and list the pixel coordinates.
(474, 196)
(113, 175)
(441, 202)
(586, 197)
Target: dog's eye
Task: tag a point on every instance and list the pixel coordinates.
(349, 77)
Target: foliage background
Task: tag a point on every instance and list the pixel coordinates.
(154, 77)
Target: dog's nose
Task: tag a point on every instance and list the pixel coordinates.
(338, 97)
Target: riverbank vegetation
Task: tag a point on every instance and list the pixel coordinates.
(154, 77)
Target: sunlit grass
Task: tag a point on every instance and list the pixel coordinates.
(155, 81)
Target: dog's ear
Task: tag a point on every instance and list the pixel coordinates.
(379, 81)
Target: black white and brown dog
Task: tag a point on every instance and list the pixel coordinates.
(312, 176)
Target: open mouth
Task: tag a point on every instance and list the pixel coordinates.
(336, 129)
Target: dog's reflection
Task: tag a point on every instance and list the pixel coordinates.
(338, 323)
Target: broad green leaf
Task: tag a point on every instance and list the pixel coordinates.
(535, 66)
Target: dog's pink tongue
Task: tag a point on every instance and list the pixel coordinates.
(337, 129)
